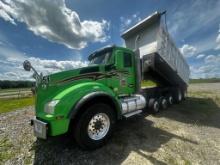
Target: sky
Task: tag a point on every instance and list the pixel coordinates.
(56, 35)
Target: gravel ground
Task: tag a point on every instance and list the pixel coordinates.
(187, 133)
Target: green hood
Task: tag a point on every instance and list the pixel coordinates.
(53, 84)
(90, 72)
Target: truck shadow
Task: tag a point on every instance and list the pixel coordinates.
(196, 111)
(135, 135)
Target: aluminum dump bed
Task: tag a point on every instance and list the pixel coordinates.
(150, 37)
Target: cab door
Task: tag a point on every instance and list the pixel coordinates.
(126, 71)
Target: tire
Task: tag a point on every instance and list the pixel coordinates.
(95, 126)
(170, 100)
(184, 94)
(178, 96)
(163, 103)
(154, 106)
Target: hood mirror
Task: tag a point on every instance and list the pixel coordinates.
(27, 65)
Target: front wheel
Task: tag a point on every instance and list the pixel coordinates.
(95, 126)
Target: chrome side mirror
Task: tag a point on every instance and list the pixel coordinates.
(27, 65)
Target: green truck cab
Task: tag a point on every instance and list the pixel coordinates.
(88, 101)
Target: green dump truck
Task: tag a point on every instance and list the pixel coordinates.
(88, 101)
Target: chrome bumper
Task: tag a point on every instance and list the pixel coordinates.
(40, 128)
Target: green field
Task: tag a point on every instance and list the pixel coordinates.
(210, 80)
(8, 105)
(14, 90)
(148, 83)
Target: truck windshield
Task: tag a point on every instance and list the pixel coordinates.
(101, 57)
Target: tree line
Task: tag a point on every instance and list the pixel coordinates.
(4, 84)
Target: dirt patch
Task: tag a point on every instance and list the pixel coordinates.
(187, 133)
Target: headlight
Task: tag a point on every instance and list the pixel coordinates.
(50, 106)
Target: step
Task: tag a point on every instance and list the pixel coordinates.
(127, 115)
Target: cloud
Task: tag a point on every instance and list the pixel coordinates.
(51, 66)
(11, 67)
(127, 22)
(188, 50)
(200, 56)
(218, 42)
(16, 71)
(52, 20)
(196, 26)
(213, 59)
(187, 21)
(209, 68)
(218, 39)
(4, 14)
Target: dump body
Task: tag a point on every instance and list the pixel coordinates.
(150, 37)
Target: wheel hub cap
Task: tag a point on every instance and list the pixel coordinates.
(98, 126)
(156, 106)
(164, 103)
(170, 100)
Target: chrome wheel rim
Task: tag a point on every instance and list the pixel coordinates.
(164, 103)
(179, 96)
(171, 100)
(156, 106)
(98, 126)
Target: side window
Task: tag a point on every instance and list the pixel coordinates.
(127, 58)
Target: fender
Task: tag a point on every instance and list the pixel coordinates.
(72, 98)
(89, 97)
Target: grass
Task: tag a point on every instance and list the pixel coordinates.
(14, 90)
(5, 153)
(209, 80)
(148, 83)
(8, 105)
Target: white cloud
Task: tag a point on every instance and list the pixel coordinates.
(200, 56)
(213, 59)
(16, 71)
(126, 22)
(209, 68)
(4, 7)
(218, 42)
(52, 20)
(193, 16)
(11, 67)
(218, 39)
(11, 54)
(51, 66)
(186, 23)
(188, 50)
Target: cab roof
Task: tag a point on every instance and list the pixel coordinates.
(106, 48)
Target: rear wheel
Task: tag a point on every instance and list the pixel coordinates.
(178, 96)
(184, 94)
(154, 106)
(95, 126)
(170, 100)
(163, 103)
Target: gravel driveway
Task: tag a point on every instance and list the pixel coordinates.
(187, 133)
